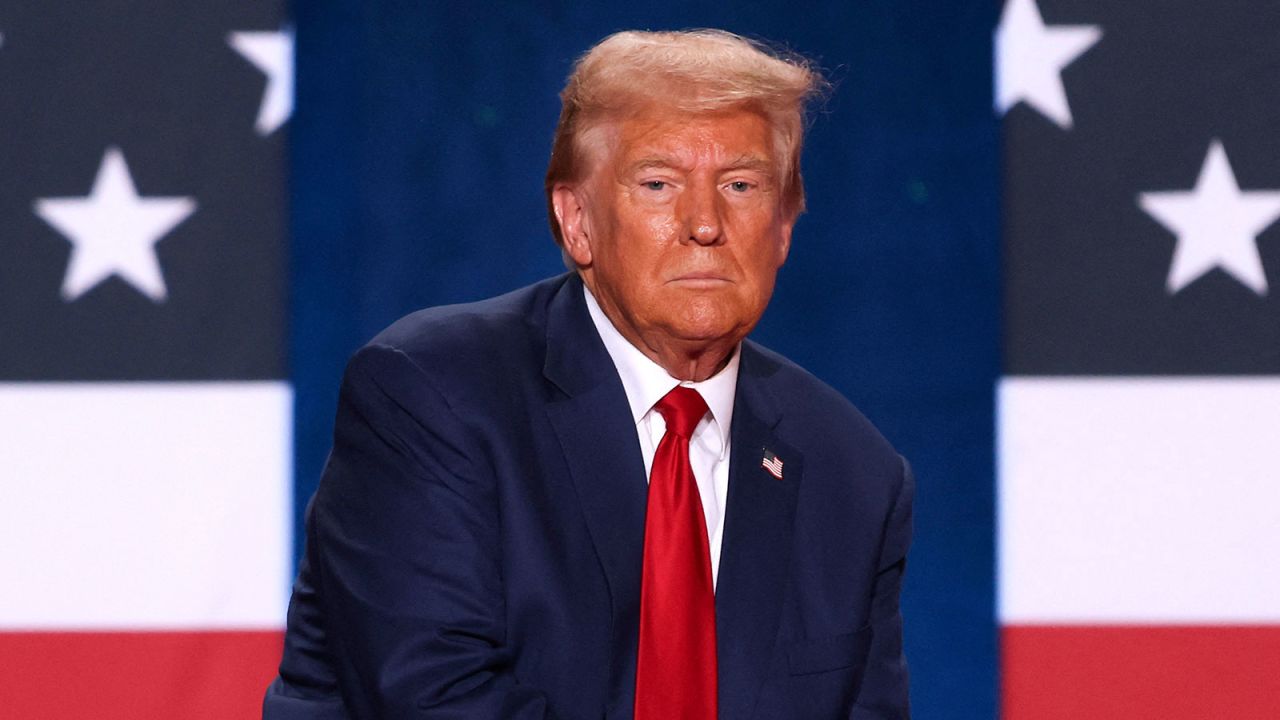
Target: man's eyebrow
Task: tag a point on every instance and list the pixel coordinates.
(752, 162)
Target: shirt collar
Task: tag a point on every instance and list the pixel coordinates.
(645, 382)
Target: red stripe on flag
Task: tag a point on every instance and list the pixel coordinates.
(119, 675)
(1140, 672)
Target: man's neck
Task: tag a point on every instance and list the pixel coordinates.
(645, 382)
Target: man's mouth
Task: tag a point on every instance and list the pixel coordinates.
(700, 279)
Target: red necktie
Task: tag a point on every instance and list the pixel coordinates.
(676, 667)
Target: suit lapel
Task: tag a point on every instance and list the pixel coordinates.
(594, 426)
(757, 544)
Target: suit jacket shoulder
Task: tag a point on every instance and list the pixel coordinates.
(816, 415)
(471, 334)
(476, 355)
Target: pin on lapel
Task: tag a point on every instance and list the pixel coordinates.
(772, 463)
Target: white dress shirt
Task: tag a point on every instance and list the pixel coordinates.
(645, 383)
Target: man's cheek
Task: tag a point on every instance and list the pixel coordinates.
(661, 227)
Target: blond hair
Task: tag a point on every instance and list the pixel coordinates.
(691, 71)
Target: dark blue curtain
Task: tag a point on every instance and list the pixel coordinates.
(419, 144)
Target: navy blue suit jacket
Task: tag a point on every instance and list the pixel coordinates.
(474, 547)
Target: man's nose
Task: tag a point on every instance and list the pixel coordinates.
(702, 214)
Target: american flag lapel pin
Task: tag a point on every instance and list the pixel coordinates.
(772, 463)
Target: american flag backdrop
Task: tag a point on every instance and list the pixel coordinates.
(145, 409)
(1139, 414)
(147, 522)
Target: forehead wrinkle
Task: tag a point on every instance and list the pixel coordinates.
(654, 162)
(687, 142)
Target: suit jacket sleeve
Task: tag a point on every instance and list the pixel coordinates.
(402, 610)
(884, 684)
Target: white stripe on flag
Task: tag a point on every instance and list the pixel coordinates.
(1139, 500)
(145, 505)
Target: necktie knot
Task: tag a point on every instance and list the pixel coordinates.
(682, 408)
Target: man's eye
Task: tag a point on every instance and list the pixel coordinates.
(656, 185)
(740, 186)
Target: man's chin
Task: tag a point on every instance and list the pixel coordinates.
(709, 335)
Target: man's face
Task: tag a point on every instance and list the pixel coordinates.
(680, 230)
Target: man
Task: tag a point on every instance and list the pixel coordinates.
(484, 543)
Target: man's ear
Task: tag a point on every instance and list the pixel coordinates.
(571, 214)
(785, 245)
